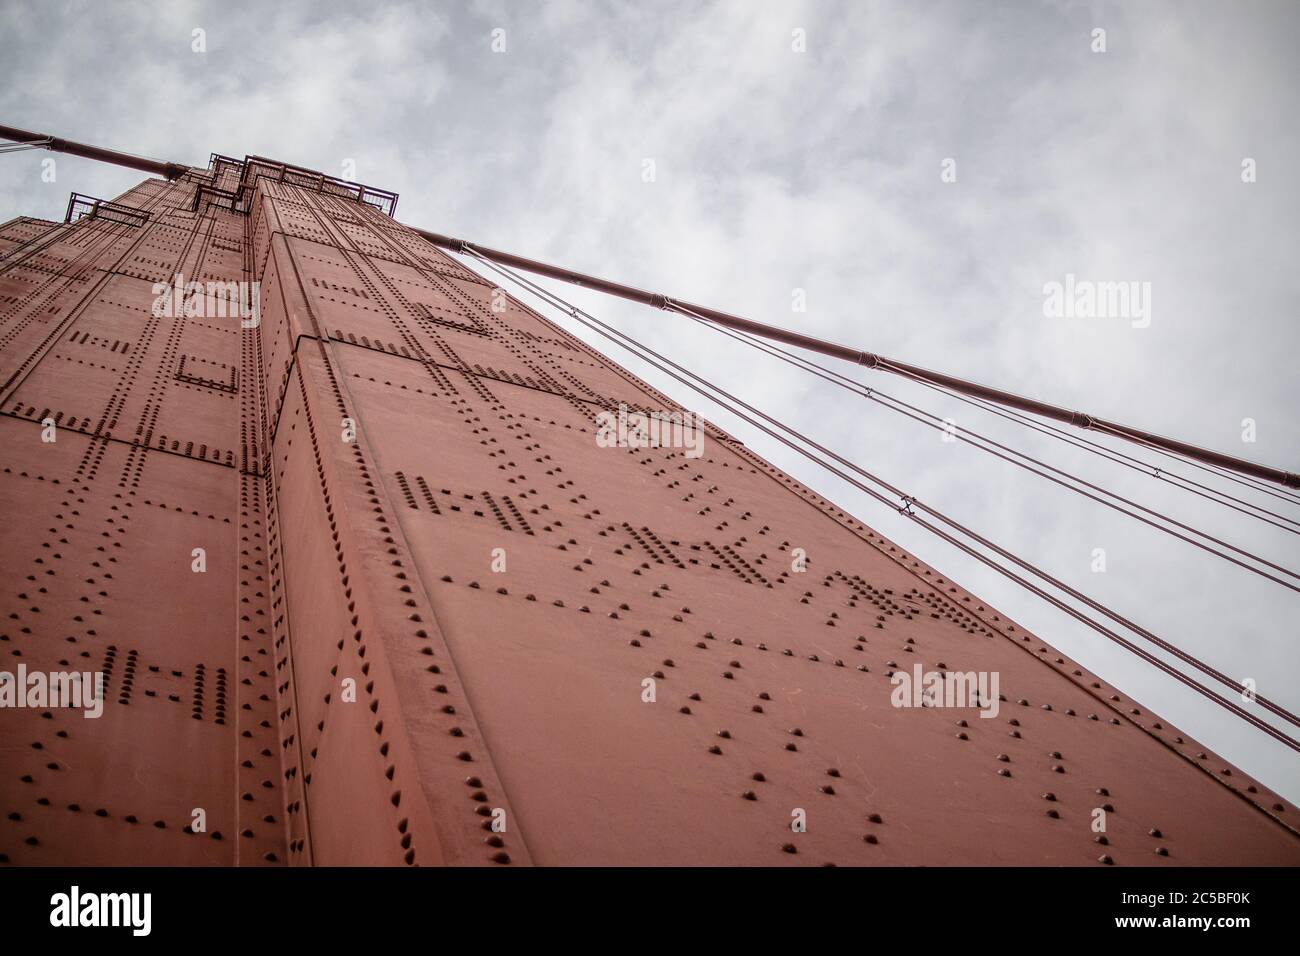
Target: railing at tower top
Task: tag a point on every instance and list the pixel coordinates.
(252, 169)
(89, 207)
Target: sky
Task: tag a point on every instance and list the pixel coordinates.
(916, 173)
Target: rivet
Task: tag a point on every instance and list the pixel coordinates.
(875, 818)
(870, 838)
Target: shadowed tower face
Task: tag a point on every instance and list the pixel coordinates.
(378, 566)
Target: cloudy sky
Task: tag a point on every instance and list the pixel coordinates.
(777, 168)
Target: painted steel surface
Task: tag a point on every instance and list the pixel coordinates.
(433, 608)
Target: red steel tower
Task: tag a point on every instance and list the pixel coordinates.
(366, 588)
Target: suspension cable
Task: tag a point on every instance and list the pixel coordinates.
(920, 414)
(1105, 451)
(821, 371)
(641, 351)
(19, 147)
(1128, 461)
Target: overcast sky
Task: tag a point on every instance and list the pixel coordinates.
(819, 169)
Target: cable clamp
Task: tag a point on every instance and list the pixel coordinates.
(906, 507)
